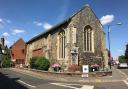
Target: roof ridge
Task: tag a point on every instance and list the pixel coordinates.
(17, 41)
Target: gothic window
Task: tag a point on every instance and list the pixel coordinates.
(62, 44)
(88, 39)
(74, 35)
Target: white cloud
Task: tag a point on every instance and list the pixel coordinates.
(63, 10)
(47, 26)
(17, 31)
(7, 42)
(1, 20)
(106, 19)
(1, 23)
(36, 34)
(5, 34)
(4, 22)
(38, 23)
(8, 21)
(120, 50)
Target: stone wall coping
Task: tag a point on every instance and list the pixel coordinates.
(71, 74)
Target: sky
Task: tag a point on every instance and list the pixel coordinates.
(27, 18)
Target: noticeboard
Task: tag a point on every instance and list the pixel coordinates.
(85, 68)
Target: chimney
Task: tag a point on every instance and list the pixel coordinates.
(2, 41)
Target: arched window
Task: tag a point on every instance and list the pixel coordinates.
(88, 39)
(62, 44)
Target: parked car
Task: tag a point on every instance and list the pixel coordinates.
(122, 65)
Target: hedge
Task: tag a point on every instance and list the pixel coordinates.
(40, 63)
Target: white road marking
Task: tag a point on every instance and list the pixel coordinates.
(125, 81)
(74, 84)
(87, 87)
(59, 84)
(67, 85)
(20, 81)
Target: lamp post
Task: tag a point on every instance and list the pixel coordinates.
(109, 43)
(1, 57)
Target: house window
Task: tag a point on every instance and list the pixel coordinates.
(13, 56)
(62, 44)
(88, 39)
(23, 51)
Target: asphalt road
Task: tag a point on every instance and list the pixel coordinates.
(124, 71)
(14, 80)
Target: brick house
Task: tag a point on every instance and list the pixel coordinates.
(77, 40)
(18, 52)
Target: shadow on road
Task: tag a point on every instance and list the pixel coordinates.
(10, 83)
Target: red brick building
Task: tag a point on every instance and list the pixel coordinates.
(18, 52)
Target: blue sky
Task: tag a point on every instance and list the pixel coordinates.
(27, 18)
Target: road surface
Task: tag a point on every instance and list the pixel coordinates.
(15, 80)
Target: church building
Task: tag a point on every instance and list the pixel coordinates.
(80, 40)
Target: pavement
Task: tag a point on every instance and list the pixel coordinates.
(14, 78)
(117, 75)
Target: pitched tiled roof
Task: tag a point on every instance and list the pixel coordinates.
(17, 42)
(49, 30)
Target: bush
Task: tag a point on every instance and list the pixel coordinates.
(32, 62)
(6, 63)
(74, 68)
(40, 63)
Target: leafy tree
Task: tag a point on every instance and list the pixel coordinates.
(122, 59)
(6, 63)
(6, 58)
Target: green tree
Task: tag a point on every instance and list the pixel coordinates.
(6, 63)
(122, 59)
(6, 58)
